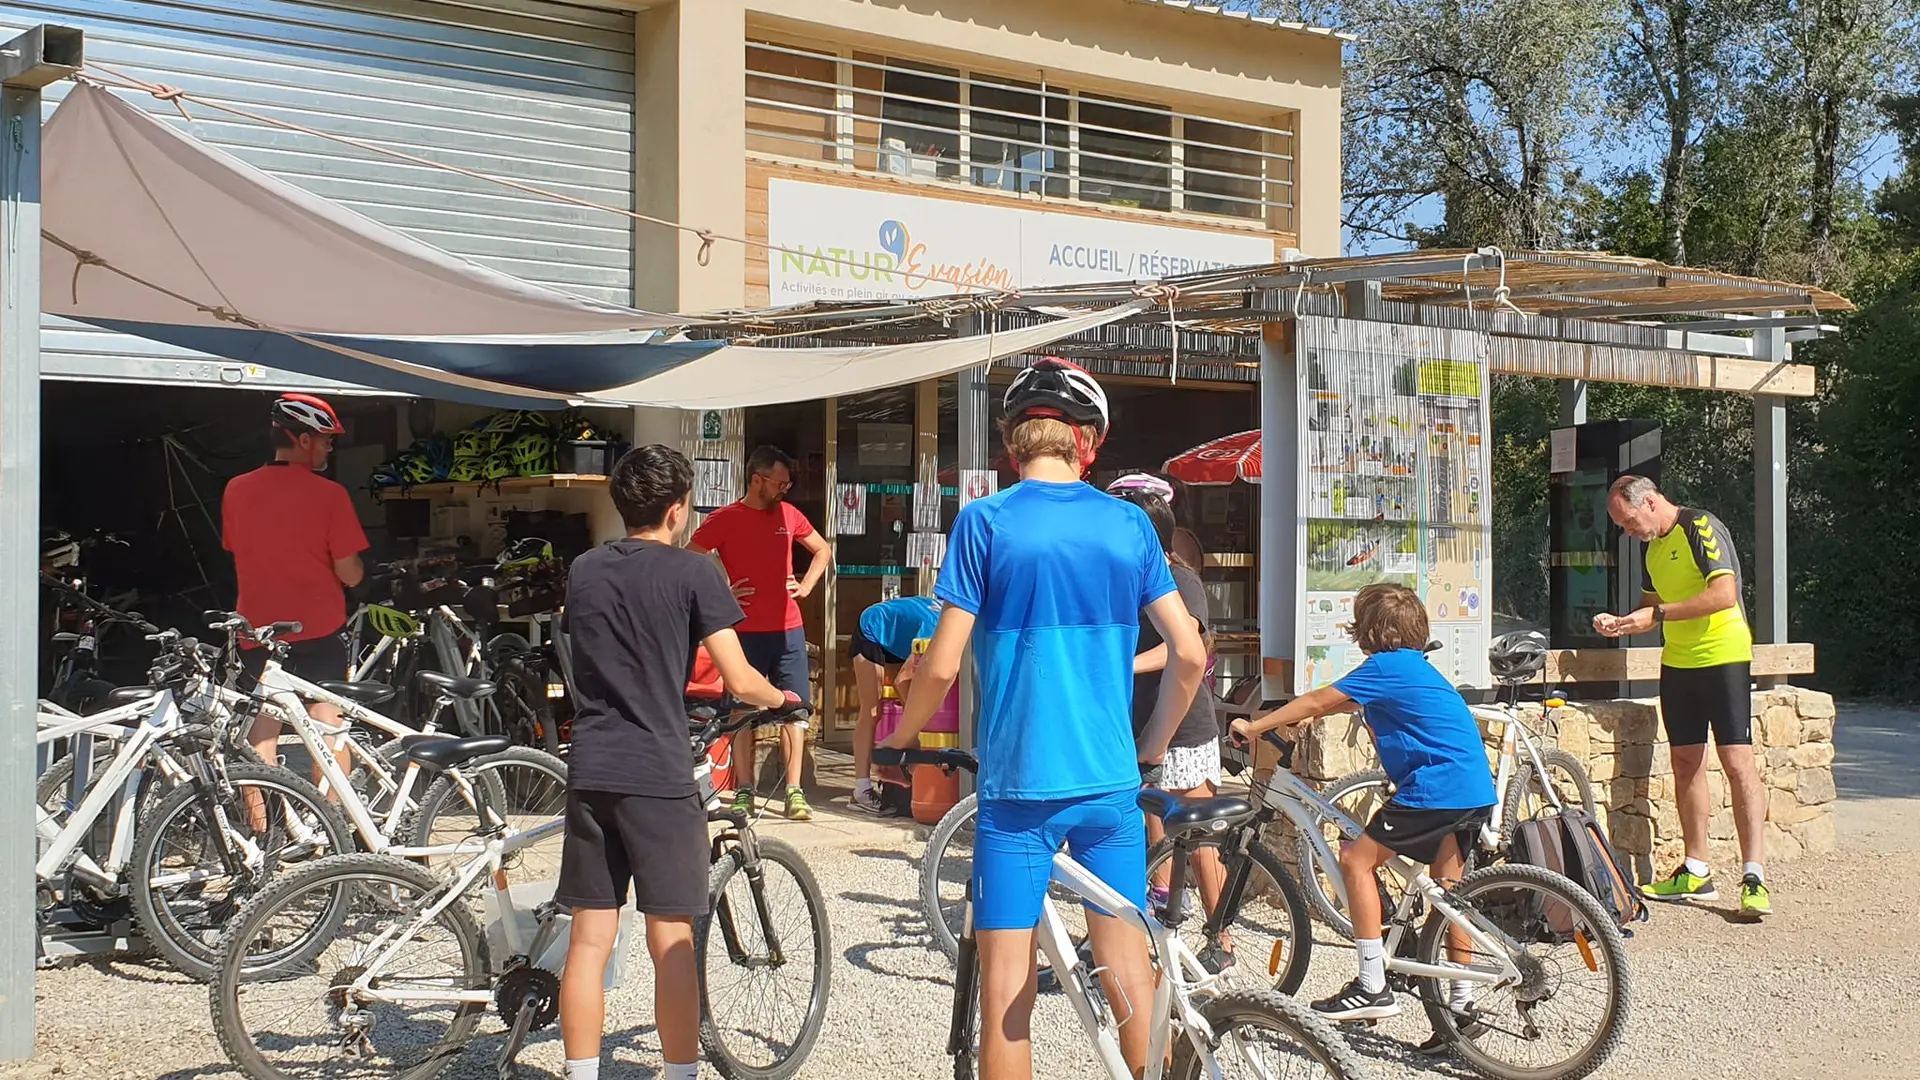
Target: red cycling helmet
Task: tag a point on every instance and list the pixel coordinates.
(305, 414)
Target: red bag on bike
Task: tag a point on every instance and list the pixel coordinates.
(707, 685)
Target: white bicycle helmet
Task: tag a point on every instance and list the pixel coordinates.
(1056, 388)
(304, 413)
(1146, 482)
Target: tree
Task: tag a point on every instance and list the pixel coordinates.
(1480, 104)
(1835, 61)
(1672, 66)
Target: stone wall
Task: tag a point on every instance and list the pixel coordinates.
(1621, 745)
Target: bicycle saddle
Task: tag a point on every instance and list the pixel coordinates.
(453, 686)
(366, 693)
(127, 695)
(1185, 816)
(439, 754)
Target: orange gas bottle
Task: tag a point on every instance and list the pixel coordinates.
(935, 790)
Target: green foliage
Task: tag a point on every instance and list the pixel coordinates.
(1855, 533)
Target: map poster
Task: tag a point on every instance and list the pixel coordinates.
(1394, 472)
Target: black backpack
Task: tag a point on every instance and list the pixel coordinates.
(1572, 843)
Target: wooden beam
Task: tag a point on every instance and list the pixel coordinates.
(1643, 665)
(1754, 376)
(1784, 301)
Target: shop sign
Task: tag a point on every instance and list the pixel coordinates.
(839, 243)
(711, 425)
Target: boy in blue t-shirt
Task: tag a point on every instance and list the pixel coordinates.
(1048, 578)
(1431, 749)
(882, 644)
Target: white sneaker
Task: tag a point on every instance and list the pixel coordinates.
(867, 801)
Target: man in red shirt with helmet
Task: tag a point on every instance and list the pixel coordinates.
(296, 545)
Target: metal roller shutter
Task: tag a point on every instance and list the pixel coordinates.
(535, 91)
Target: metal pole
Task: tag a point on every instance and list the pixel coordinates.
(43, 55)
(976, 417)
(1282, 528)
(1770, 499)
(1573, 402)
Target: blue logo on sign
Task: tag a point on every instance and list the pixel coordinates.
(893, 239)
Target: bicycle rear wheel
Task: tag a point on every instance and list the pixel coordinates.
(1568, 1013)
(1270, 934)
(761, 1008)
(283, 1003)
(522, 788)
(945, 869)
(1266, 1035)
(183, 894)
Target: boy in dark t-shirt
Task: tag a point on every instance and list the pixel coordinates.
(637, 608)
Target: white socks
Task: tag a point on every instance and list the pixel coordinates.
(1699, 868)
(1373, 964)
(589, 1069)
(1460, 996)
(1754, 869)
(862, 786)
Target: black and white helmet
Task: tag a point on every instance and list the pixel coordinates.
(1517, 657)
(1056, 388)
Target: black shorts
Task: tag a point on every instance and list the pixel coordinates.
(1695, 699)
(780, 656)
(659, 843)
(1418, 833)
(313, 660)
(872, 651)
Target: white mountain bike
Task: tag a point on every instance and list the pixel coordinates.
(1201, 1026)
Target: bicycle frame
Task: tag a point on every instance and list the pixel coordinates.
(158, 717)
(1308, 809)
(1516, 734)
(285, 691)
(384, 947)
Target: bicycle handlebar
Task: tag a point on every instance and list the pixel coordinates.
(949, 758)
(714, 724)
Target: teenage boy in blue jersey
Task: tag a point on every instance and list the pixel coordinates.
(1431, 749)
(1049, 578)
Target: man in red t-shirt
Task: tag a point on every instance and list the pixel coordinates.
(296, 545)
(754, 539)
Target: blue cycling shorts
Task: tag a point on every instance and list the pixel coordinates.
(1014, 842)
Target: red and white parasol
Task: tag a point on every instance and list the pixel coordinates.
(1222, 461)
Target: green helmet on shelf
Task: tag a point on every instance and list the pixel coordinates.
(466, 470)
(472, 444)
(498, 466)
(527, 420)
(391, 622)
(416, 468)
(501, 423)
(532, 454)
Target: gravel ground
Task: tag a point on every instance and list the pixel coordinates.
(1813, 993)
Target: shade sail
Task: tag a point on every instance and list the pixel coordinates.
(739, 376)
(151, 232)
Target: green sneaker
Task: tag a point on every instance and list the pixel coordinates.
(797, 808)
(743, 801)
(1682, 886)
(1755, 903)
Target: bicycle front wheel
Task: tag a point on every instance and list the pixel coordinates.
(765, 964)
(184, 891)
(1267, 939)
(285, 1003)
(1360, 795)
(945, 870)
(1265, 1035)
(1568, 1012)
(1527, 792)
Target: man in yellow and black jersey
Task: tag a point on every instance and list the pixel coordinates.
(1693, 594)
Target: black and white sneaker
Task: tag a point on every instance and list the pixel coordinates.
(1355, 1003)
(1465, 1021)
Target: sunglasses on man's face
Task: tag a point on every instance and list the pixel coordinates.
(776, 482)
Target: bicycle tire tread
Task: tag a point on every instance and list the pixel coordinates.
(1320, 1037)
(717, 1054)
(1612, 944)
(222, 987)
